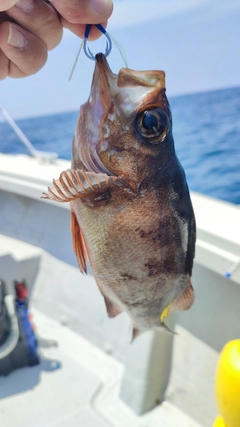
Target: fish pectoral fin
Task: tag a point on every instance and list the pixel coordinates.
(75, 184)
(79, 245)
(112, 308)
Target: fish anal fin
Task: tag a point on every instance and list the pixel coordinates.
(135, 333)
(78, 244)
(112, 308)
(185, 300)
(74, 184)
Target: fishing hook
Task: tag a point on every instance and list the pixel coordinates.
(86, 49)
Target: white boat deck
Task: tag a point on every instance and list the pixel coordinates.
(78, 382)
(76, 385)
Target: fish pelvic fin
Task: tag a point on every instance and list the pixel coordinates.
(74, 184)
(112, 308)
(79, 245)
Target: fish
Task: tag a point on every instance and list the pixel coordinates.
(131, 212)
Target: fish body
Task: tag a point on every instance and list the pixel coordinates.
(131, 211)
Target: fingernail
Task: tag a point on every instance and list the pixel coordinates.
(25, 5)
(103, 7)
(16, 38)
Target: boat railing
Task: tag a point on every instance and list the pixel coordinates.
(44, 155)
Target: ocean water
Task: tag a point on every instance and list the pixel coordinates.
(206, 129)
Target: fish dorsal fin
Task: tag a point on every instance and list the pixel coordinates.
(79, 245)
(75, 184)
(112, 308)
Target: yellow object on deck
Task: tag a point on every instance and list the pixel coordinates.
(228, 385)
(219, 422)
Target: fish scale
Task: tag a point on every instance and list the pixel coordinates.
(133, 219)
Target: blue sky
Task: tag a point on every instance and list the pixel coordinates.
(196, 42)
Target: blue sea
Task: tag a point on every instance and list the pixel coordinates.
(206, 128)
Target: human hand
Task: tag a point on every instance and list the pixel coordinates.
(29, 28)
(75, 14)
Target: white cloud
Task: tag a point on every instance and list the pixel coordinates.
(131, 12)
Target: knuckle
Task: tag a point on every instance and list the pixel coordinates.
(51, 31)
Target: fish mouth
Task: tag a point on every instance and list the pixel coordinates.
(102, 66)
(104, 86)
(93, 114)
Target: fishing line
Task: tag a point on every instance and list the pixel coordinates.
(76, 60)
(120, 50)
(108, 49)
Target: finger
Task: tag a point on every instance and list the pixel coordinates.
(25, 52)
(39, 18)
(84, 11)
(4, 66)
(79, 29)
(6, 4)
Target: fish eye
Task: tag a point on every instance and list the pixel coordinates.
(153, 124)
